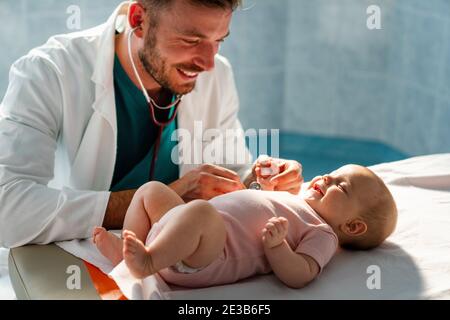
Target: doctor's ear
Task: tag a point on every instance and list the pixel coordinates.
(136, 18)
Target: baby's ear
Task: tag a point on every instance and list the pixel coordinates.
(356, 227)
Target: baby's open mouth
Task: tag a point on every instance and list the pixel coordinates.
(317, 188)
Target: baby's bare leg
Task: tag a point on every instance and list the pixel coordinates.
(148, 205)
(195, 235)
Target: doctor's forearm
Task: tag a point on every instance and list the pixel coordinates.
(117, 207)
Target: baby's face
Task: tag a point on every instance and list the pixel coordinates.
(338, 196)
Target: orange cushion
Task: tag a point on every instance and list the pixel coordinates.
(106, 287)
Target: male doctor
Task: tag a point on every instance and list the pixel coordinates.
(86, 113)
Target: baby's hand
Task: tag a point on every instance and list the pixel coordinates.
(275, 232)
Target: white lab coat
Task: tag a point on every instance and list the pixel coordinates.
(58, 134)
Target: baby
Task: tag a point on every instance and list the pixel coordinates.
(249, 232)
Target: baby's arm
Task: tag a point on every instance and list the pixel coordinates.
(294, 269)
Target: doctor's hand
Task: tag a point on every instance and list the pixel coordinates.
(278, 174)
(206, 182)
(290, 178)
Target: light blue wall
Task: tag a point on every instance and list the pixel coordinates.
(391, 84)
(338, 78)
(310, 66)
(29, 23)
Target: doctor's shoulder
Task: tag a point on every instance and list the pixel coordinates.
(52, 71)
(72, 52)
(67, 54)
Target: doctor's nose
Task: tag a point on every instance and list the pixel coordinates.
(205, 57)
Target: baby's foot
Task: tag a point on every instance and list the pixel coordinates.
(136, 256)
(108, 244)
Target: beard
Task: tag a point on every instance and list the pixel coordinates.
(159, 69)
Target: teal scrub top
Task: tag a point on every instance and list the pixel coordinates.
(136, 136)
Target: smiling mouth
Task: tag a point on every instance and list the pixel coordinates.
(317, 188)
(188, 74)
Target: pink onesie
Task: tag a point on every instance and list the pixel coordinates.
(245, 214)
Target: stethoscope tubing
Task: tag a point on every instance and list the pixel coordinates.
(152, 105)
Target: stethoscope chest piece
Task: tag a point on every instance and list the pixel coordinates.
(255, 186)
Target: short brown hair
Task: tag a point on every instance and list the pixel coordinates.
(224, 4)
(380, 215)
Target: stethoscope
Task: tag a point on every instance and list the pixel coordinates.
(255, 186)
(152, 105)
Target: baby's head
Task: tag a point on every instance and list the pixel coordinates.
(356, 203)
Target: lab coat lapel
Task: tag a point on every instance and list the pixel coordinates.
(104, 68)
(103, 73)
(97, 153)
(191, 149)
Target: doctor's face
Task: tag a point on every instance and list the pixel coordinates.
(182, 43)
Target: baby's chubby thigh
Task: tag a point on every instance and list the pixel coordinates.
(156, 228)
(197, 216)
(157, 199)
